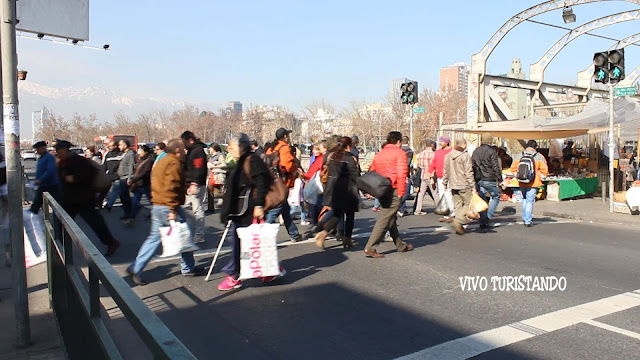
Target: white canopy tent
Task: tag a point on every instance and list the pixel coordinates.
(593, 119)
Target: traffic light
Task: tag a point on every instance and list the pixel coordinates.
(409, 92)
(601, 63)
(616, 65)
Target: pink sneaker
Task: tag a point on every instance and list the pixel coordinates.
(376, 209)
(229, 283)
(282, 273)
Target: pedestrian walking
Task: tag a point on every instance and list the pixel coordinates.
(168, 192)
(90, 153)
(242, 210)
(316, 165)
(159, 152)
(532, 166)
(437, 168)
(126, 169)
(341, 193)
(256, 149)
(195, 172)
(77, 176)
(425, 157)
(458, 177)
(46, 176)
(140, 183)
(402, 211)
(289, 173)
(488, 176)
(217, 176)
(111, 162)
(390, 162)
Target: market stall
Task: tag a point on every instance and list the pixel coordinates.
(562, 188)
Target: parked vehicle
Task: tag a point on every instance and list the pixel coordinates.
(29, 155)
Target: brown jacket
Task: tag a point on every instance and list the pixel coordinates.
(168, 183)
(458, 170)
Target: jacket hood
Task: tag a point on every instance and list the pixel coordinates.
(197, 144)
(530, 151)
(457, 152)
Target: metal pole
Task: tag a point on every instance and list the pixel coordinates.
(14, 168)
(411, 126)
(611, 148)
(440, 120)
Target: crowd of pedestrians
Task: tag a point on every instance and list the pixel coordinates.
(177, 177)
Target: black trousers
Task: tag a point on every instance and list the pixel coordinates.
(338, 215)
(38, 199)
(94, 219)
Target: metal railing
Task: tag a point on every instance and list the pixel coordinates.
(77, 306)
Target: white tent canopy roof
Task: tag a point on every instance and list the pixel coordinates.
(593, 119)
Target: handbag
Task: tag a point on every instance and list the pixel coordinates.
(375, 184)
(310, 192)
(258, 250)
(443, 207)
(278, 190)
(324, 177)
(176, 239)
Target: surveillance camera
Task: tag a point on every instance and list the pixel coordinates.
(105, 46)
(40, 36)
(74, 41)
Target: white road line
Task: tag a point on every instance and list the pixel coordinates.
(615, 329)
(473, 345)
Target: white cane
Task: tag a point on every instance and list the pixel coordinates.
(215, 257)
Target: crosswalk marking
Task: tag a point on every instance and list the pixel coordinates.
(475, 344)
(615, 329)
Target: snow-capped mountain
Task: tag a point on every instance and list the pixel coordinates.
(91, 100)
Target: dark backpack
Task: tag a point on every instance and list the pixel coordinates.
(273, 162)
(526, 168)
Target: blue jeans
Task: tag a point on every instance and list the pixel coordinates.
(376, 203)
(528, 198)
(137, 196)
(233, 266)
(403, 204)
(150, 245)
(285, 211)
(113, 194)
(302, 209)
(488, 190)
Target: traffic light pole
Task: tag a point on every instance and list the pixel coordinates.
(611, 148)
(411, 127)
(14, 168)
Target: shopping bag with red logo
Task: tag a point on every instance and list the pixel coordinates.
(258, 250)
(176, 239)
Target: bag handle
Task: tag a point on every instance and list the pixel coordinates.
(256, 221)
(172, 224)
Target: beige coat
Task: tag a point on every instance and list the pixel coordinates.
(458, 170)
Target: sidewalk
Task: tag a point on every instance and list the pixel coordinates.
(46, 342)
(590, 210)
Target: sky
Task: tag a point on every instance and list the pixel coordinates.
(293, 52)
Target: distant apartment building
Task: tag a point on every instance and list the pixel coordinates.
(517, 98)
(455, 77)
(234, 108)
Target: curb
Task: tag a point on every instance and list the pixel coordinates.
(574, 217)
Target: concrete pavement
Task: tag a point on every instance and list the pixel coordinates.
(339, 304)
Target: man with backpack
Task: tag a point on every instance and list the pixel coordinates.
(529, 166)
(488, 175)
(282, 163)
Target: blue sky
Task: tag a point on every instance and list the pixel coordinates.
(291, 52)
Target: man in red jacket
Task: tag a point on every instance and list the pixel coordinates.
(390, 162)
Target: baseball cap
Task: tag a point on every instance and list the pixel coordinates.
(280, 133)
(62, 144)
(39, 144)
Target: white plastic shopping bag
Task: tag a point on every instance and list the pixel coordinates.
(176, 239)
(258, 250)
(311, 190)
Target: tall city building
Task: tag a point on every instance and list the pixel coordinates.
(234, 107)
(455, 77)
(394, 92)
(517, 98)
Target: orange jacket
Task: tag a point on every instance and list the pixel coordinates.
(541, 167)
(287, 162)
(391, 162)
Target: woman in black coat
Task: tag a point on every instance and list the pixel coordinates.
(244, 199)
(341, 192)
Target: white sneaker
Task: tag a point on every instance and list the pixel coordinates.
(305, 223)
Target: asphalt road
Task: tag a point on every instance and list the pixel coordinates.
(341, 305)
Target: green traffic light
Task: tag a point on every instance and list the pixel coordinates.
(616, 72)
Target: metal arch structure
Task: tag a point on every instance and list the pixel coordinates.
(479, 60)
(481, 95)
(585, 76)
(536, 71)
